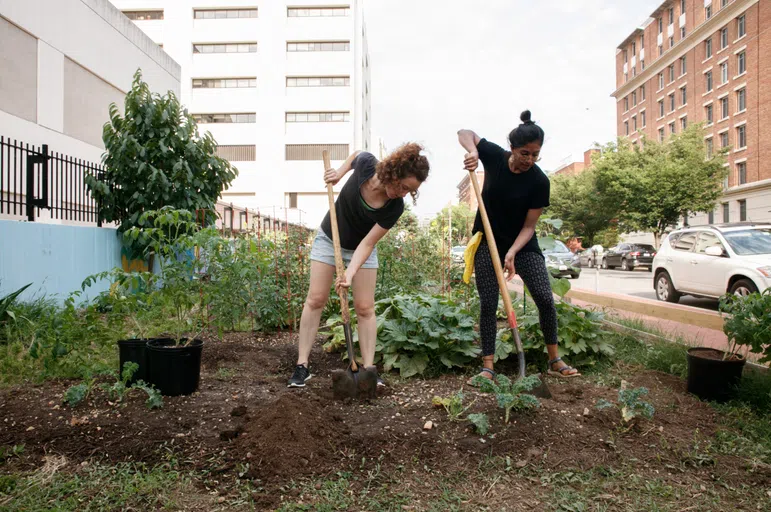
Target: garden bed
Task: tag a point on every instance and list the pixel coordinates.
(246, 442)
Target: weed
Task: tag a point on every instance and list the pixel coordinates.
(629, 404)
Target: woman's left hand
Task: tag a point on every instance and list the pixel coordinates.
(508, 265)
(342, 284)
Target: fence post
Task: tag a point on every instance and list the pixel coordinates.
(32, 201)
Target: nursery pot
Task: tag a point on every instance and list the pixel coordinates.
(174, 369)
(134, 351)
(712, 378)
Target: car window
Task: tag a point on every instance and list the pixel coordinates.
(643, 247)
(685, 242)
(750, 241)
(672, 238)
(707, 240)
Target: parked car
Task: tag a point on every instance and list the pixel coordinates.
(561, 262)
(591, 257)
(711, 261)
(457, 253)
(629, 256)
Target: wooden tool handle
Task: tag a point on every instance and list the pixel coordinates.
(339, 266)
(493, 252)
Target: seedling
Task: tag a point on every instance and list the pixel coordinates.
(629, 404)
(453, 405)
(510, 395)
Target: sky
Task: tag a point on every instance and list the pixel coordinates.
(439, 66)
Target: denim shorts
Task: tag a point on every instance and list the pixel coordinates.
(323, 250)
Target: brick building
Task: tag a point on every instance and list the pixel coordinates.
(466, 190)
(706, 61)
(574, 168)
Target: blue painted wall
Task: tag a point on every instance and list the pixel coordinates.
(54, 258)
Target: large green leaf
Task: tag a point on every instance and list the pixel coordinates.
(412, 365)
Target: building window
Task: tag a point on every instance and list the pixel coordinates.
(682, 32)
(726, 210)
(634, 48)
(223, 83)
(741, 170)
(710, 147)
(724, 140)
(741, 63)
(742, 210)
(313, 151)
(661, 108)
(708, 48)
(642, 93)
(741, 100)
(318, 46)
(708, 113)
(711, 217)
(642, 65)
(317, 117)
(741, 26)
(724, 38)
(634, 98)
(724, 108)
(642, 42)
(723, 3)
(143, 15)
(708, 77)
(661, 25)
(741, 137)
(672, 127)
(683, 65)
(661, 50)
(642, 118)
(661, 80)
(225, 48)
(683, 123)
(671, 73)
(724, 73)
(626, 103)
(683, 95)
(671, 41)
(245, 153)
(318, 81)
(626, 127)
(682, 6)
(225, 118)
(634, 123)
(661, 134)
(671, 15)
(292, 199)
(672, 102)
(222, 14)
(316, 12)
(708, 12)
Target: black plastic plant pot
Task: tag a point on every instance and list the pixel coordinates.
(712, 378)
(133, 351)
(174, 369)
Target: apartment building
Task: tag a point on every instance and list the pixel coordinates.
(705, 61)
(573, 168)
(466, 189)
(275, 82)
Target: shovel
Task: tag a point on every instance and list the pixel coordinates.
(355, 381)
(542, 390)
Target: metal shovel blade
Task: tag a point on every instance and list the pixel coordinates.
(355, 381)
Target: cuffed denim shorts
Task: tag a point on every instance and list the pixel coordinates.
(323, 250)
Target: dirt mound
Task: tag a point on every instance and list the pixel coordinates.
(293, 435)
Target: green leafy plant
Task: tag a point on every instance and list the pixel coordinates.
(453, 405)
(79, 392)
(422, 331)
(6, 313)
(747, 323)
(480, 423)
(116, 391)
(511, 396)
(629, 403)
(7, 452)
(155, 157)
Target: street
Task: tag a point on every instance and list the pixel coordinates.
(638, 283)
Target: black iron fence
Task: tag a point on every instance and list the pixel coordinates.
(33, 179)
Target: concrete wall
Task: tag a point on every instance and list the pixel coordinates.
(55, 259)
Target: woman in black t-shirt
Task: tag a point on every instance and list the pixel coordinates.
(369, 204)
(515, 192)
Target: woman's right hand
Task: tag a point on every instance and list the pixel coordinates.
(331, 176)
(471, 161)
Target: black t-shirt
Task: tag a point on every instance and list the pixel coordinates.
(509, 196)
(355, 218)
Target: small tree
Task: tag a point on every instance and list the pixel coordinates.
(652, 187)
(462, 223)
(575, 200)
(155, 157)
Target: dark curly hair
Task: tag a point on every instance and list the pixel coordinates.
(403, 162)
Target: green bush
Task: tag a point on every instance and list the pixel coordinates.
(748, 323)
(419, 332)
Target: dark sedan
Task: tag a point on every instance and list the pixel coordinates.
(629, 256)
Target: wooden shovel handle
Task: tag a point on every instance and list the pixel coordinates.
(339, 266)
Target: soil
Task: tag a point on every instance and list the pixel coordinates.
(244, 416)
(714, 354)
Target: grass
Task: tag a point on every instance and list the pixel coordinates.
(96, 487)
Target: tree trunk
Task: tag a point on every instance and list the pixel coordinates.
(656, 239)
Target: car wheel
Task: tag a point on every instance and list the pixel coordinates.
(665, 291)
(605, 264)
(743, 287)
(625, 265)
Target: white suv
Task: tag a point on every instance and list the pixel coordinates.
(710, 261)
